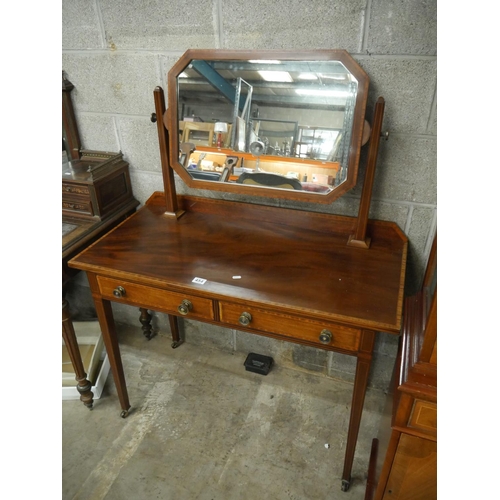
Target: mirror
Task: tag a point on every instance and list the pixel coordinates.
(273, 123)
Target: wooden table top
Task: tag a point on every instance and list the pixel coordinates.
(76, 232)
(289, 260)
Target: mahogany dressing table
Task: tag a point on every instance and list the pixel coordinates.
(311, 278)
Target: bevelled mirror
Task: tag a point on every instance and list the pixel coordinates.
(284, 124)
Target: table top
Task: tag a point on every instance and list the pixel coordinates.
(289, 260)
(77, 232)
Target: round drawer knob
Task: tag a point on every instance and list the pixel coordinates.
(185, 307)
(119, 291)
(245, 318)
(325, 337)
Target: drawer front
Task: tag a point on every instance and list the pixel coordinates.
(290, 326)
(75, 204)
(424, 417)
(75, 189)
(152, 297)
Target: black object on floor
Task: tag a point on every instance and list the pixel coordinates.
(258, 363)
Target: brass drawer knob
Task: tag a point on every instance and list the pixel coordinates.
(119, 292)
(245, 318)
(325, 337)
(185, 306)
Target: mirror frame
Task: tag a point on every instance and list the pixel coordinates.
(170, 120)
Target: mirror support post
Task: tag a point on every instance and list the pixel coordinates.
(69, 120)
(168, 173)
(359, 238)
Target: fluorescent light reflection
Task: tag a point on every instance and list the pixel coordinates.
(264, 61)
(276, 76)
(338, 77)
(307, 76)
(322, 93)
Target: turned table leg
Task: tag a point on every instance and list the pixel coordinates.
(174, 328)
(145, 320)
(68, 332)
(358, 398)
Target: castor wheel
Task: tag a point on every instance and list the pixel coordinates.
(345, 484)
(176, 343)
(124, 414)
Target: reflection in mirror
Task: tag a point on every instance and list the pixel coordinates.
(290, 118)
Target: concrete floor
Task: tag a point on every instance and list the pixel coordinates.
(202, 427)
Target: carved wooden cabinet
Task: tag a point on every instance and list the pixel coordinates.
(408, 433)
(95, 185)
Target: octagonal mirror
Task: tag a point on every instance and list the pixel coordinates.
(274, 123)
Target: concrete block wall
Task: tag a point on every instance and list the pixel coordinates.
(116, 52)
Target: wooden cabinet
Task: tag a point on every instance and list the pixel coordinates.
(95, 185)
(413, 470)
(407, 442)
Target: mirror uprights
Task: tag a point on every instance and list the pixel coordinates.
(359, 238)
(168, 173)
(71, 137)
(281, 124)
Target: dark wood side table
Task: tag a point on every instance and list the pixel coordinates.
(281, 273)
(77, 234)
(96, 197)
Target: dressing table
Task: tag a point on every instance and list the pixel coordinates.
(326, 281)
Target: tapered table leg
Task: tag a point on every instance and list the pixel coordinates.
(365, 354)
(106, 321)
(68, 333)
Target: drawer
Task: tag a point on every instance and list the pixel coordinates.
(155, 298)
(424, 416)
(81, 205)
(342, 337)
(75, 189)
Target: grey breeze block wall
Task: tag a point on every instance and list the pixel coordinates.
(116, 52)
